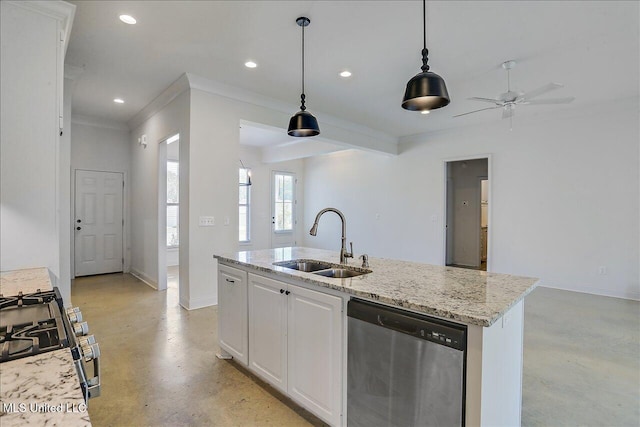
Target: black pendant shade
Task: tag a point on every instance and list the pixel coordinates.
(425, 91)
(303, 123)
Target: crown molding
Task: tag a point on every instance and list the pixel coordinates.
(169, 94)
(98, 122)
(236, 93)
(375, 140)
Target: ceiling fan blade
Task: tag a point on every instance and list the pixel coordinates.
(491, 100)
(550, 101)
(537, 92)
(508, 112)
(475, 111)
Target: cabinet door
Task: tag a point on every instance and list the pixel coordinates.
(315, 352)
(232, 312)
(268, 330)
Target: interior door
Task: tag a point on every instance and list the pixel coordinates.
(283, 209)
(98, 222)
(449, 221)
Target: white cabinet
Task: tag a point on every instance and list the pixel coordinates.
(268, 330)
(295, 344)
(232, 312)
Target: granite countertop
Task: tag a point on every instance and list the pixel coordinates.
(26, 281)
(43, 389)
(469, 296)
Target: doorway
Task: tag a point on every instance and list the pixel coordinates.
(283, 209)
(467, 201)
(98, 222)
(169, 217)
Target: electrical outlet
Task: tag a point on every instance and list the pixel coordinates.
(602, 270)
(434, 218)
(227, 221)
(206, 221)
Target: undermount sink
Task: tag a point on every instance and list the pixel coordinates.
(341, 273)
(322, 268)
(304, 265)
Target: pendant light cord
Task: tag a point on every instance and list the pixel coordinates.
(302, 96)
(425, 51)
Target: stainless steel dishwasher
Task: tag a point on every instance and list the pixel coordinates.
(403, 369)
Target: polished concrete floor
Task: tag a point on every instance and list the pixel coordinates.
(581, 361)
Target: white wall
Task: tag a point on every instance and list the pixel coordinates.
(101, 146)
(31, 153)
(144, 213)
(565, 197)
(207, 115)
(214, 155)
(261, 196)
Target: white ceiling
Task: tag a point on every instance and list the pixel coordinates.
(592, 47)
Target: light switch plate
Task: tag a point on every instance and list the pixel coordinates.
(206, 221)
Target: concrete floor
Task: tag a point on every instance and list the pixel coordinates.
(581, 361)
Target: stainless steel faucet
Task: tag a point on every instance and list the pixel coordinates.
(343, 250)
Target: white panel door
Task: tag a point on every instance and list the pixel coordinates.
(268, 330)
(315, 352)
(98, 222)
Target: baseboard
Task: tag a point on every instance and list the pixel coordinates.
(199, 302)
(143, 278)
(630, 295)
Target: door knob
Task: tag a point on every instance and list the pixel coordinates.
(79, 221)
(78, 228)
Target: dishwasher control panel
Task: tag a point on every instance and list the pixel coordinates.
(442, 338)
(417, 325)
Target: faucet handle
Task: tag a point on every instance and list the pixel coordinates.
(365, 260)
(351, 253)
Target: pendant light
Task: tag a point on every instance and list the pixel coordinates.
(425, 91)
(303, 123)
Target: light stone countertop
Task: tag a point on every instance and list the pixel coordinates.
(28, 281)
(44, 389)
(468, 296)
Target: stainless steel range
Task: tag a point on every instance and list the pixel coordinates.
(36, 323)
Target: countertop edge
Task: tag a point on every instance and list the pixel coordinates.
(479, 321)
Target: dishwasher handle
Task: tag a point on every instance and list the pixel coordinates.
(417, 325)
(398, 325)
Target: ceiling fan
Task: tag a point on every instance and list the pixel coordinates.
(508, 100)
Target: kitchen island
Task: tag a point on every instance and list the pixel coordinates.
(42, 389)
(490, 305)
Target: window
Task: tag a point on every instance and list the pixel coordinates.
(172, 205)
(283, 202)
(244, 201)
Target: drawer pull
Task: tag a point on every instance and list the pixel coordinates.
(230, 281)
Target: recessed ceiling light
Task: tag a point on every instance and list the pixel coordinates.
(250, 64)
(345, 73)
(128, 19)
(424, 112)
(118, 101)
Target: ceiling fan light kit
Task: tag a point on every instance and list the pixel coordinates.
(303, 123)
(426, 90)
